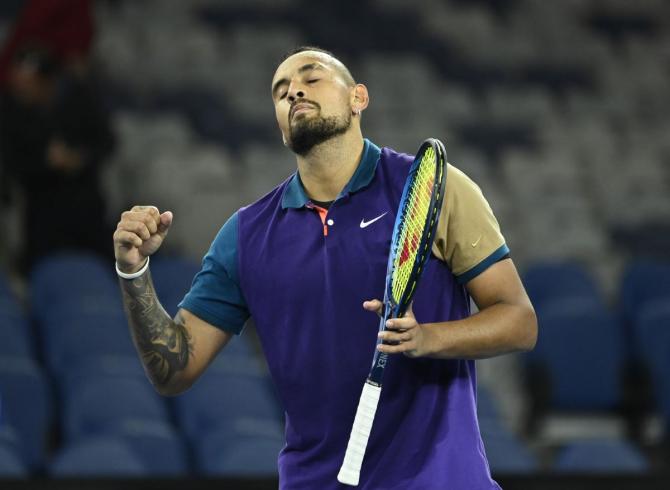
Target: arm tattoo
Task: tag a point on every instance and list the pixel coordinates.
(164, 344)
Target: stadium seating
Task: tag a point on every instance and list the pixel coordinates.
(581, 347)
(5, 288)
(556, 282)
(88, 278)
(172, 279)
(487, 405)
(505, 452)
(27, 405)
(564, 126)
(159, 446)
(224, 396)
(103, 366)
(70, 337)
(652, 339)
(644, 281)
(15, 332)
(220, 455)
(106, 457)
(10, 439)
(601, 456)
(11, 465)
(94, 405)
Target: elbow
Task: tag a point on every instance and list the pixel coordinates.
(528, 324)
(166, 390)
(170, 388)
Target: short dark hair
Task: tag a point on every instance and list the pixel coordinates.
(341, 68)
(301, 49)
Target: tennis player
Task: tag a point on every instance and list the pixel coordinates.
(308, 262)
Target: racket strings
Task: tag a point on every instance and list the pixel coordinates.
(415, 214)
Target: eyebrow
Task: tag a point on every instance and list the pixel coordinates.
(302, 69)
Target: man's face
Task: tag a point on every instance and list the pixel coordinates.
(29, 86)
(312, 100)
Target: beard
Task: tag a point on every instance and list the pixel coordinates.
(307, 132)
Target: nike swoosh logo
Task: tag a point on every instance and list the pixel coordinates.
(475, 243)
(365, 224)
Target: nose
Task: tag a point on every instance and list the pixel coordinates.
(295, 92)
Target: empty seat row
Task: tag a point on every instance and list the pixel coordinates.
(508, 453)
(593, 358)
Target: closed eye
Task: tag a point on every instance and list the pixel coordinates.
(313, 80)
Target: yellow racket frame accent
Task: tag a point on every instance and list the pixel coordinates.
(418, 220)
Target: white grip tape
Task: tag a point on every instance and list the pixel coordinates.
(360, 432)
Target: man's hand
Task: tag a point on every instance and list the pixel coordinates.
(138, 235)
(403, 335)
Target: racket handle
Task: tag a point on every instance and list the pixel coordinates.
(360, 433)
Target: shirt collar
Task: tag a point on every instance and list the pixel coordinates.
(296, 197)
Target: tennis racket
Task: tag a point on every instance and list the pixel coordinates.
(413, 235)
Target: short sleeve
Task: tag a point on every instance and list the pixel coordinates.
(215, 294)
(468, 236)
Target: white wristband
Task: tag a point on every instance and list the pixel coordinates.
(134, 275)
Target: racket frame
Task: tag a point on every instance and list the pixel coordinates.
(349, 473)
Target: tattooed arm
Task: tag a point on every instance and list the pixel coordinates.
(176, 351)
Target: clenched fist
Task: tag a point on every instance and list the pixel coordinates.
(138, 235)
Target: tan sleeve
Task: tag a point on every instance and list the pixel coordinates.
(468, 236)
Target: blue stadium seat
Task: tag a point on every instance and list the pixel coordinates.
(601, 456)
(505, 452)
(582, 349)
(559, 281)
(102, 366)
(487, 405)
(644, 281)
(26, 405)
(96, 404)
(10, 438)
(15, 333)
(157, 444)
(224, 393)
(5, 288)
(218, 454)
(97, 457)
(11, 465)
(88, 277)
(172, 279)
(652, 338)
(70, 337)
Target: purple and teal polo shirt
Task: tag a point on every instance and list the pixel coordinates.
(303, 278)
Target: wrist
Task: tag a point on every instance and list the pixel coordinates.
(132, 274)
(431, 345)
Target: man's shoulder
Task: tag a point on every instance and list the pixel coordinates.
(394, 158)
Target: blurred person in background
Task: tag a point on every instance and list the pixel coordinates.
(54, 137)
(54, 132)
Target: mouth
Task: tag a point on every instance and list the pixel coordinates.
(300, 109)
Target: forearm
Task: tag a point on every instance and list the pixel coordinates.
(501, 328)
(164, 345)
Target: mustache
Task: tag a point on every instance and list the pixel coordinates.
(300, 102)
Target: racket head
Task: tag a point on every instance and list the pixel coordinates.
(416, 223)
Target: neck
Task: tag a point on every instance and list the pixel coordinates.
(328, 167)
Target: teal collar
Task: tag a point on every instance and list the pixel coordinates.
(294, 193)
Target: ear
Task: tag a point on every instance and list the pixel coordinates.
(359, 98)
